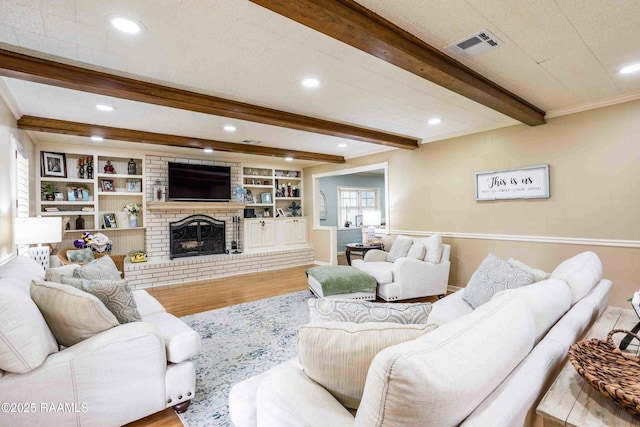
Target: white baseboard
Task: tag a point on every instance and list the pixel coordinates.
(316, 262)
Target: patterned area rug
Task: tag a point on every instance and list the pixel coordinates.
(238, 342)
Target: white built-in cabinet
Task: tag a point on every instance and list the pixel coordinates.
(91, 203)
(274, 232)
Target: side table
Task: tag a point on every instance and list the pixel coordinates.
(360, 249)
(571, 401)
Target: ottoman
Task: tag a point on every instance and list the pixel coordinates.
(341, 281)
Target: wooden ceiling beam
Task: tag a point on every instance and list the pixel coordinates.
(41, 124)
(24, 67)
(353, 24)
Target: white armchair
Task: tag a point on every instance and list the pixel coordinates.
(406, 277)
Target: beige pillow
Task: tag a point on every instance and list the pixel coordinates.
(72, 315)
(337, 355)
(55, 274)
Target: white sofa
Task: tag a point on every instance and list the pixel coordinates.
(115, 377)
(483, 367)
(406, 277)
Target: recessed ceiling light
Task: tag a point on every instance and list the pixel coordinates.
(289, 159)
(96, 138)
(126, 25)
(434, 121)
(342, 145)
(630, 69)
(310, 82)
(229, 128)
(104, 107)
(208, 150)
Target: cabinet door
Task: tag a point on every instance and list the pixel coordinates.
(252, 234)
(300, 234)
(268, 232)
(278, 227)
(289, 232)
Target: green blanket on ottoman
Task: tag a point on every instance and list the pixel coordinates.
(342, 279)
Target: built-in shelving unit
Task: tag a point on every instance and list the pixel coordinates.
(272, 190)
(90, 195)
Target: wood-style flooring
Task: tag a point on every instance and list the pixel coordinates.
(185, 299)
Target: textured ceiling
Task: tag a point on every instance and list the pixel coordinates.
(558, 54)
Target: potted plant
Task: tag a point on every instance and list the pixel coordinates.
(48, 191)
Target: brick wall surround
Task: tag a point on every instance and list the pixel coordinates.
(161, 271)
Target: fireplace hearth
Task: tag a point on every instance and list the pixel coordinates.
(196, 235)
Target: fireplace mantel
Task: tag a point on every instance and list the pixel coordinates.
(178, 206)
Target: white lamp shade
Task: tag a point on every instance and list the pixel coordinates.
(38, 230)
(371, 218)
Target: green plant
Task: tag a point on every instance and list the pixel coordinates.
(49, 188)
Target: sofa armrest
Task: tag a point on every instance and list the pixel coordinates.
(288, 398)
(421, 274)
(375, 255)
(112, 378)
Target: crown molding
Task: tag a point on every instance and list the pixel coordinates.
(593, 105)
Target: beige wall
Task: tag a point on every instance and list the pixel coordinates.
(7, 205)
(594, 180)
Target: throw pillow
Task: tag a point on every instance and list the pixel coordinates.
(434, 248)
(417, 251)
(81, 256)
(114, 294)
(538, 275)
(72, 315)
(55, 274)
(337, 355)
(492, 276)
(25, 338)
(347, 310)
(400, 248)
(101, 269)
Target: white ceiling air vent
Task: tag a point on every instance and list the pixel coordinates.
(474, 45)
(251, 142)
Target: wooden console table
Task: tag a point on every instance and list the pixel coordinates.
(570, 401)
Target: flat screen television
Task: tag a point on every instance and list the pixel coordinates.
(199, 182)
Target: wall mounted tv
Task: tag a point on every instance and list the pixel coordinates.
(199, 182)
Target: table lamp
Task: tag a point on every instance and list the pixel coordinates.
(38, 230)
(371, 219)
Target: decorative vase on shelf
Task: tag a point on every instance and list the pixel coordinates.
(133, 220)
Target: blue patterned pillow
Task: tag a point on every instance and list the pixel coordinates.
(348, 310)
(100, 269)
(114, 294)
(492, 276)
(80, 256)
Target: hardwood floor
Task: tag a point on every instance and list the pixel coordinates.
(182, 300)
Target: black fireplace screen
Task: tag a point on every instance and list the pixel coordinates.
(196, 235)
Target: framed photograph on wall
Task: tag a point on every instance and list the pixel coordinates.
(109, 220)
(53, 164)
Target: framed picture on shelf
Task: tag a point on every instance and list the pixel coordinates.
(358, 220)
(109, 220)
(248, 197)
(58, 197)
(265, 197)
(53, 164)
(133, 185)
(280, 213)
(107, 185)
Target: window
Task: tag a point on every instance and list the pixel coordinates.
(353, 201)
(22, 191)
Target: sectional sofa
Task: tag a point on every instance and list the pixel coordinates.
(487, 366)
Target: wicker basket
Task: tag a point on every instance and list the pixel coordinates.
(612, 373)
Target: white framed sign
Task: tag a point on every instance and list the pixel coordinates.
(531, 182)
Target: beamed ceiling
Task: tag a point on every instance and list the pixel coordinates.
(198, 66)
